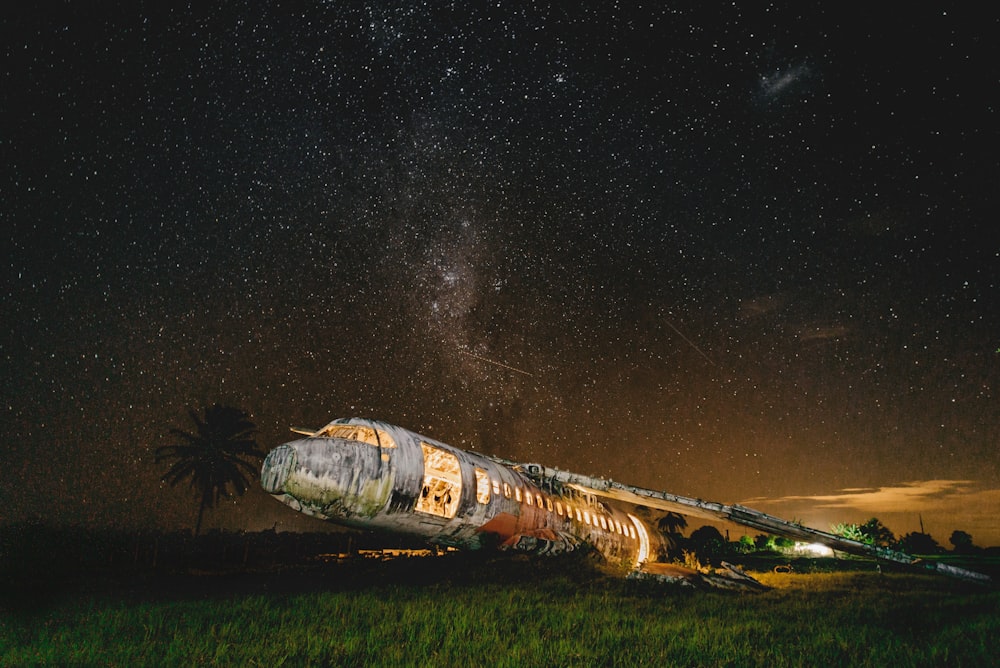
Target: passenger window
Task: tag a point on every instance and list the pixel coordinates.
(527, 497)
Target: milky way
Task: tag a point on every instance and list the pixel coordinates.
(731, 252)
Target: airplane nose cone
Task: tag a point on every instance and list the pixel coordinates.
(278, 464)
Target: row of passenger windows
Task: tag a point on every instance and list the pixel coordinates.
(484, 485)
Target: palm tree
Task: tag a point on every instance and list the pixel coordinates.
(214, 457)
(671, 525)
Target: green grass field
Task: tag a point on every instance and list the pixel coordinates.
(453, 612)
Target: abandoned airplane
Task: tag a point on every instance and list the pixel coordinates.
(372, 475)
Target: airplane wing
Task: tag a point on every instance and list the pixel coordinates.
(738, 515)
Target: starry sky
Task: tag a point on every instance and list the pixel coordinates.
(742, 251)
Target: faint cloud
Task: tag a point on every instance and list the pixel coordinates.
(916, 496)
(751, 308)
(824, 332)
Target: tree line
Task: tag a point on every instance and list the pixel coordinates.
(709, 545)
(873, 532)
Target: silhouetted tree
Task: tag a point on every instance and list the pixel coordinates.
(671, 525)
(708, 543)
(962, 542)
(214, 457)
(764, 542)
(919, 543)
(876, 533)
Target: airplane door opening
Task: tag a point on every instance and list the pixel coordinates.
(643, 541)
(442, 483)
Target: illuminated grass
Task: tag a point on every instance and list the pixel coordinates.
(513, 619)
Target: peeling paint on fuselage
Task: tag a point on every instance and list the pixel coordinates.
(366, 486)
(338, 478)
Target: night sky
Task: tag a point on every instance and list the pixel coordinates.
(745, 253)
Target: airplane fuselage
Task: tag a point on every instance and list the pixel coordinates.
(372, 475)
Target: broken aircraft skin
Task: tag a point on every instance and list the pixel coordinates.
(372, 475)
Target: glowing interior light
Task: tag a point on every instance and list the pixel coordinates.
(813, 550)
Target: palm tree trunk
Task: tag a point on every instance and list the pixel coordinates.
(201, 513)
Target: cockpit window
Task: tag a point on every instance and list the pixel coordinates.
(357, 432)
